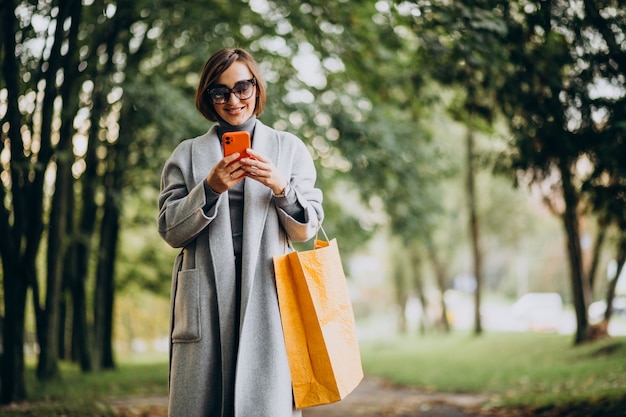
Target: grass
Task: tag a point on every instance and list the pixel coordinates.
(76, 394)
(516, 369)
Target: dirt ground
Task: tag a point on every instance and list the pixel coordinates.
(372, 398)
(377, 398)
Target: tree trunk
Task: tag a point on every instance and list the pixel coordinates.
(70, 98)
(59, 236)
(14, 277)
(65, 350)
(104, 291)
(596, 253)
(47, 367)
(471, 197)
(61, 347)
(83, 251)
(105, 274)
(21, 228)
(440, 275)
(109, 236)
(87, 350)
(580, 286)
(610, 293)
(80, 328)
(418, 284)
(399, 276)
(13, 387)
(83, 245)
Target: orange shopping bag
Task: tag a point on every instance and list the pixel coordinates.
(318, 324)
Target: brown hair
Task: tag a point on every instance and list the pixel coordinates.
(214, 67)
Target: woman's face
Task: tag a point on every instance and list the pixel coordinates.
(235, 111)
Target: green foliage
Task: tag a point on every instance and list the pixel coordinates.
(141, 319)
(552, 91)
(555, 71)
(514, 369)
(144, 260)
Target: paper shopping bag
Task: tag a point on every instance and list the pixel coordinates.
(318, 325)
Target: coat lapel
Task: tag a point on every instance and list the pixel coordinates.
(258, 200)
(207, 152)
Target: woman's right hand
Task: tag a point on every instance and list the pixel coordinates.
(226, 174)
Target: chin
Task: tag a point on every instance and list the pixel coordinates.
(236, 120)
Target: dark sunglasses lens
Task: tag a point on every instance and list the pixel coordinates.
(243, 89)
(219, 95)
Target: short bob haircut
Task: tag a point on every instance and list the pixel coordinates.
(214, 67)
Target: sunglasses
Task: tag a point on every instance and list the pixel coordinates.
(243, 90)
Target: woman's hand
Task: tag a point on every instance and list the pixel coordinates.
(223, 176)
(263, 170)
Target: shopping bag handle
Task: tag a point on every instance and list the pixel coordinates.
(323, 232)
(317, 243)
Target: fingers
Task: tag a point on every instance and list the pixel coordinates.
(229, 168)
(255, 164)
(255, 155)
(256, 167)
(232, 176)
(226, 174)
(262, 169)
(230, 159)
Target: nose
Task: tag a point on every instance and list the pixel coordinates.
(232, 98)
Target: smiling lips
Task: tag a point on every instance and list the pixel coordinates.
(235, 115)
(235, 110)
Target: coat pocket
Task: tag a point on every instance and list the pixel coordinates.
(186, 318)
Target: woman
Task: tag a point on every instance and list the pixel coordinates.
(227, 356)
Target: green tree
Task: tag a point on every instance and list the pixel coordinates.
(382, 121)
(64, 67)
(542, 65)
(454, 45)
(560, 55)
(23, 183)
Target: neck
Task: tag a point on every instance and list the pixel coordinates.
(247, 126)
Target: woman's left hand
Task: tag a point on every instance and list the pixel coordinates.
(263, 170)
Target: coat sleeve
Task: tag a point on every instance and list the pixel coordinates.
(302, 177)
(183, 212)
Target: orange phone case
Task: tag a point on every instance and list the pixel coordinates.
(236, 142)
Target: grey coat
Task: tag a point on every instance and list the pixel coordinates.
(207, 378)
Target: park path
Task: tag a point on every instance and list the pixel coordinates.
(372, 398)
(378, 398)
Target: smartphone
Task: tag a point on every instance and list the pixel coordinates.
(236, 142)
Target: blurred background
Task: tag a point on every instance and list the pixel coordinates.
(472, 156)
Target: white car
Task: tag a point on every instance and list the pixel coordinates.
(539, 311)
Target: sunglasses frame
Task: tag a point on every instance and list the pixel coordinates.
(229, 91)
